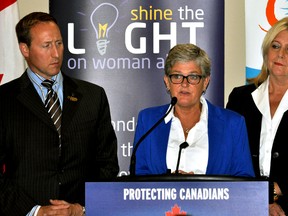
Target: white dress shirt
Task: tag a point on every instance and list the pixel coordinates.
(269, 125)
(195, 157)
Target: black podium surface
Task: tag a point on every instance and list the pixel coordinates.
(182, 177)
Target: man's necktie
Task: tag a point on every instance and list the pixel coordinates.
(52, 104)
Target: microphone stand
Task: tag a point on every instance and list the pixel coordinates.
(182, 146)
(133, 157)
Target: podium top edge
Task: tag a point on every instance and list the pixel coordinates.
(179, 177)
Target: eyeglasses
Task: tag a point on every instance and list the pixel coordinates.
(193, 79)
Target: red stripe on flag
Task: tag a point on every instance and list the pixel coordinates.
(1, 76)
(3, 169)
(6, 3)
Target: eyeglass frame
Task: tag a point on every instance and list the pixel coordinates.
(199, 77)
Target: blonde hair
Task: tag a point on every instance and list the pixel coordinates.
(268, 39)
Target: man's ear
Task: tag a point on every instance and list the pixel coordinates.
(24, 49)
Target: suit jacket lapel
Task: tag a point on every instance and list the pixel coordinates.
(158, 147)
(71, 100)
(29, 97)
(215, 134)
(31, 100)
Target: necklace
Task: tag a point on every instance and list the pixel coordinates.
(186, 130)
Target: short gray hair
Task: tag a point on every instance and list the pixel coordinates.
(186, 53)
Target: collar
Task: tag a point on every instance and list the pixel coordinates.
(203, 116)
(37, 79)
(261, 99)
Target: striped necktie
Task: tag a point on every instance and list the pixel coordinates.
(52, 104)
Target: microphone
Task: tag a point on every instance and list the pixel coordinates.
(182, 146)
(133, 157)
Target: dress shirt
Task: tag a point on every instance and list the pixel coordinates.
(195, 157)
(34, 211)
(269, 125)
(36, 79)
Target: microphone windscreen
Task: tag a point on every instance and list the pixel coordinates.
(173, 101)
(184, 145)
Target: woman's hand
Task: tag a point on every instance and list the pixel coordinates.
(183, 172)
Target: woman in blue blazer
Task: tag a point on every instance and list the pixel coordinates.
(217, 142)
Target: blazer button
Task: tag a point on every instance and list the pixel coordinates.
(275, 155)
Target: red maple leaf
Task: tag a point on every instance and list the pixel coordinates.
(1, 76)
(176, 211)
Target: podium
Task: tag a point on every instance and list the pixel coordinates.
(191, 195)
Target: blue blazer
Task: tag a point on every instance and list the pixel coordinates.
(229, 152)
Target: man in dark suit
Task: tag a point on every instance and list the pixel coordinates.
(47, 164)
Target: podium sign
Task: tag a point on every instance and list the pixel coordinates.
(197, 198)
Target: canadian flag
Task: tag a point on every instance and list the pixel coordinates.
(11, 61)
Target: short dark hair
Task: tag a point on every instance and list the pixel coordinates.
(24, 26)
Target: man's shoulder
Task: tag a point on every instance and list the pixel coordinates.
(81, 84)
(10, 86)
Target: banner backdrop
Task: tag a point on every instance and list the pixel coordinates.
(122, 45)
(258, 22)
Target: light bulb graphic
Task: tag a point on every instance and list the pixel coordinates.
(103, 19)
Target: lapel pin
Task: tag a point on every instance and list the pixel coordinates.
(72, 98)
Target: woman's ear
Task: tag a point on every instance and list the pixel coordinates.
(206, 83)
(166, 82)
